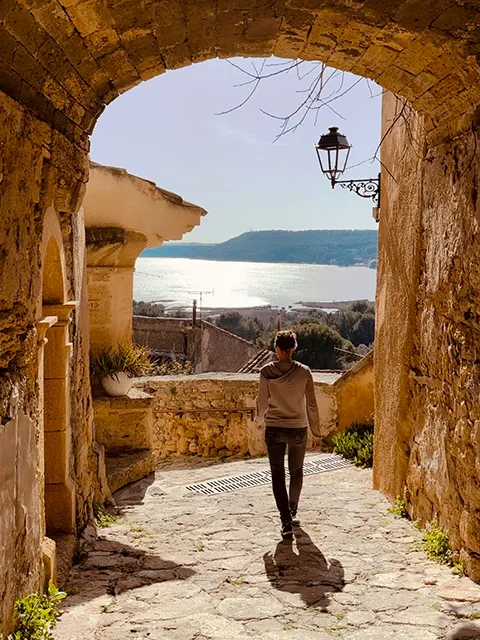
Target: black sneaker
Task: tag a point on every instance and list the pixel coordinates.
(287, 531)
(293, 512)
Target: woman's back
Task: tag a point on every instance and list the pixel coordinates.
(287, 396)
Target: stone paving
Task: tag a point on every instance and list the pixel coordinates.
(181, 566)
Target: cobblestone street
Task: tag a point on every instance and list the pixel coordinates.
(183, 566)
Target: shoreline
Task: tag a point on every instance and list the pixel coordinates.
(266, 311)
(244, 261)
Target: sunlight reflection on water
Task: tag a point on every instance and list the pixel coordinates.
(177, 281)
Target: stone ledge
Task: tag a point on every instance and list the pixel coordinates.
(124, 423)
(134, 398)
(125, 468)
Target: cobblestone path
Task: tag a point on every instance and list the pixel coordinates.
(181, 566)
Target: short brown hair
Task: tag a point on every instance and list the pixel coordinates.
(286, 340)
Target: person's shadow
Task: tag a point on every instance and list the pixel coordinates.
(305, 571)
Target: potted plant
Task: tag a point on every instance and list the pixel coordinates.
(115, 368)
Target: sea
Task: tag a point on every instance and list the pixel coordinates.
(176, 282)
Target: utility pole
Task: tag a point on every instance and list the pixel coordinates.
(279, 321)
(201, 294)
(194, 314)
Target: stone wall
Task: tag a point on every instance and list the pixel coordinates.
(208, 347)
(426, 52)
(354, 393)
(428, 340)
(211, 415)
(64, 61)
(168, 335)
(220, 350)
(40, 173)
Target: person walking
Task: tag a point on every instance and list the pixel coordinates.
(286, 402)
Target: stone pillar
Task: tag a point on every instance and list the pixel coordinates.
(56, 356)
(111, 256)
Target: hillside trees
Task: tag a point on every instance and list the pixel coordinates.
(248, 328)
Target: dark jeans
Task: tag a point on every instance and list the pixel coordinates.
(277, 439)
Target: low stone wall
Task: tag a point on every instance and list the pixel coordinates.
(212, 415)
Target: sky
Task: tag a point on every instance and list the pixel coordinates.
(233, 165)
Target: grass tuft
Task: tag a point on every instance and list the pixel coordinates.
(104, 518)
(399, 508)
(436, 545)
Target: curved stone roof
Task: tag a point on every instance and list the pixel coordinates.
(116, 198)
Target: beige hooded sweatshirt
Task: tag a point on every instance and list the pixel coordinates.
(286, 397)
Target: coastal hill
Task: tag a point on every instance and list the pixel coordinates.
(339, 247)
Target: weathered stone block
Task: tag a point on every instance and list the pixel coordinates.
(60, 507)
(57, 398)
(57, 456)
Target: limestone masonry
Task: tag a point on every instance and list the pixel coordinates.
(61, 63)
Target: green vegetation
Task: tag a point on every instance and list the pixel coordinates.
(436, 545)
(103, 517)
(319, 346)
(130, 359)
(245, 327)
(340, 247)
(399, 508)
(157, 310)
(174, 367)
(356, 444)
(36, 615)
(148, 309)
(324, 339)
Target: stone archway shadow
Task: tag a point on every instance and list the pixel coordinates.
(134, 493)
(307, 572)
(111, 568)
(467, 631)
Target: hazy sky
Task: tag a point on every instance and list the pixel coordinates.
(167, 130)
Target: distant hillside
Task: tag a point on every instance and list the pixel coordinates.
(345, 248)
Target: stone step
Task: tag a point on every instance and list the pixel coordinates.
(122, 469)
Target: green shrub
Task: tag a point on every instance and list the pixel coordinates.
(436, 545)
(36, 615)
(399, 508)
(131, 359)
(175, 367)
(356, 444)
(104, 518)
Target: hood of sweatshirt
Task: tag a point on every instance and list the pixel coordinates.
(279, 371)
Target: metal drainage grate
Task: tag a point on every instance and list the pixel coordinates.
(256, 478)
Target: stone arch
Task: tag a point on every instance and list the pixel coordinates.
(427, 52)
(54, 358)
(52, 257)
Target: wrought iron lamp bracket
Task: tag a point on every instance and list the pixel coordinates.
(368, 188)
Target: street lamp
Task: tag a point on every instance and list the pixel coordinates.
(333, 150)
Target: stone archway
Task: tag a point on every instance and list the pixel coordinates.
(63, 62)
(423, 51)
